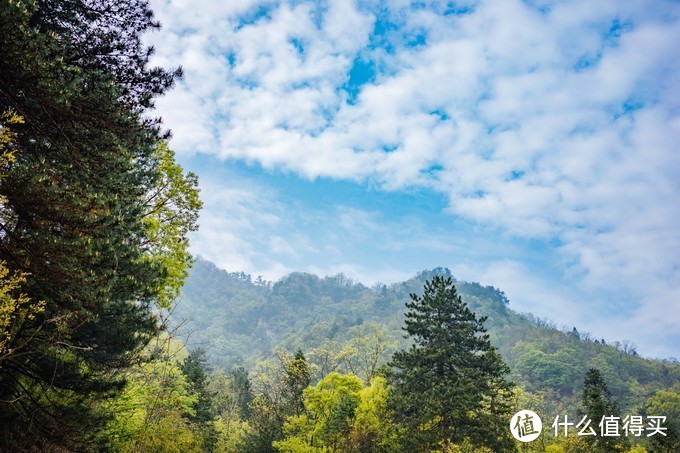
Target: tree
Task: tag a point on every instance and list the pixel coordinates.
(297, 380)
(597, 404)
(195, 369)
(366, 352)
(155, 408)
(232, 397)
(104, 37)
(93, 215)
(329, 412)
(279, 386)
(372, 428)
(666, 403)
(242, 391)
(336, 415)
(450, 384)
(341, 415)
(15, 307)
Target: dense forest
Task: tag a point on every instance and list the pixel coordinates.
(109, 342)
(242, 322)
(239, 321)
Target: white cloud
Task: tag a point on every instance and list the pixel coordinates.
(527, 292)
(557, 124)
(569, 306)
(367, 275)
(237, 226)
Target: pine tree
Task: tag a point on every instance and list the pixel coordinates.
(241, 388)
(450, 384)
(196, 368)
(297, 379)
(94, 211)
(597, 404)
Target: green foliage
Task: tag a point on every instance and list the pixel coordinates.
(232, 435)
(195, 369)
(15, 310)
(372, 429)
(278, 385)
(598, 403)
(549, 364)
(450, 384)
(149, 415)
(243, 394)
(331, 405)
(666, 403)
(571, 444)
(241, 322)
(297, 379)
(91, 202)
(366, 352)
(171, 212)
(231, 396)
(341, 415)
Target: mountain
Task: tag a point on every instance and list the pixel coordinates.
(240, 321)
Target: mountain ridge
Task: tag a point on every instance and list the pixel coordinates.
(241, 321)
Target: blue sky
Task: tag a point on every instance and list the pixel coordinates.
(530, 145)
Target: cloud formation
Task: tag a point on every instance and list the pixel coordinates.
(547, 120)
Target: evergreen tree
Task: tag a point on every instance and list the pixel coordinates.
(450, 385)
(104, 38)
(94, 212)
(195, 368)
(242, 391)
(297, 379)
(597, 404)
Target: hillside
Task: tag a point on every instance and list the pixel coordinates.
(240, 320)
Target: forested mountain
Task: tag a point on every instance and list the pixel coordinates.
(95, 214)
(240, 320)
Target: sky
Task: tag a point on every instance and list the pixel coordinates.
(530, 145)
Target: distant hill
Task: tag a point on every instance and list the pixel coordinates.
(239, 320)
